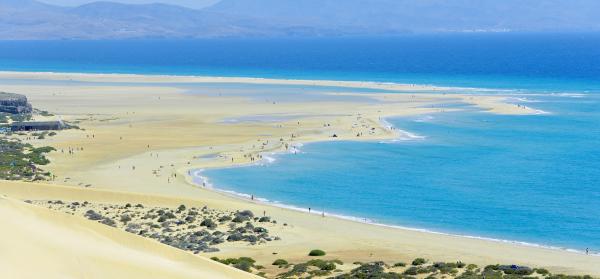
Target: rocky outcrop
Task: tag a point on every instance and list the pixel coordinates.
(14, 103)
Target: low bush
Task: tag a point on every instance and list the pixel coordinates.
(316, 253)
(280, 262)
(412, 271)
(125, 218)
(542, 271)
(419, 261)
(322, 265)
(242, 263)
(209, 223)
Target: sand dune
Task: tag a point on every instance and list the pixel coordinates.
(39, 243)
(347, 240)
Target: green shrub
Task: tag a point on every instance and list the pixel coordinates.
(542, 271)
(418, 261)
(245, 266)
(125, 218)
(297, 271)
(471, 266)
(316, 253)
(280, 262)
(242, 263)
(399, 264)
(209, 223)
(322, 265)
(412, 271)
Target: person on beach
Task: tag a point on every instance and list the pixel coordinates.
(587, 251)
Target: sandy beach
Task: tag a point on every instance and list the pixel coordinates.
(140, 136)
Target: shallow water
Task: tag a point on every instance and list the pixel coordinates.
(532, 179)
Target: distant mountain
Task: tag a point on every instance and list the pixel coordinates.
(29, 19)
(383, 16)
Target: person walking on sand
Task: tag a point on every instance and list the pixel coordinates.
(587, 251)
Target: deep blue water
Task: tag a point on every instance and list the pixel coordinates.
(525, 178)
(549, 61)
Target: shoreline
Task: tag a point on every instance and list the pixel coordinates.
(129, 123)
(195, 173)
(245, 197)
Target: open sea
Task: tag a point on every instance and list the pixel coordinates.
(531, 179)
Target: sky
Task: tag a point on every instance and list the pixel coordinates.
(186, 3)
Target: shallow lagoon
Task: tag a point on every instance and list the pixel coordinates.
(531, 179)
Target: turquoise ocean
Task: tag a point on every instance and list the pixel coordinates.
(530, 179)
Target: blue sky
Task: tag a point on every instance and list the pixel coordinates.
(187, 3)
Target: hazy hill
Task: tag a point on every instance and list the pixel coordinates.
(380, 16)
(29, 19)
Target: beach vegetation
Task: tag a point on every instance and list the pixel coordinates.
(93, 215)
(240, 219)
(419, 261)
(371, 270)
(399, 264)
(542, 271)
(316, 253)
(19, 161)
(562, 276)
(209, 223)
(108, 222)
(225, 218)
(241, 263)
(296, 271)
(125, 218)
(510, 269)
(280, 262)
(471, 266)
(322, 265)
